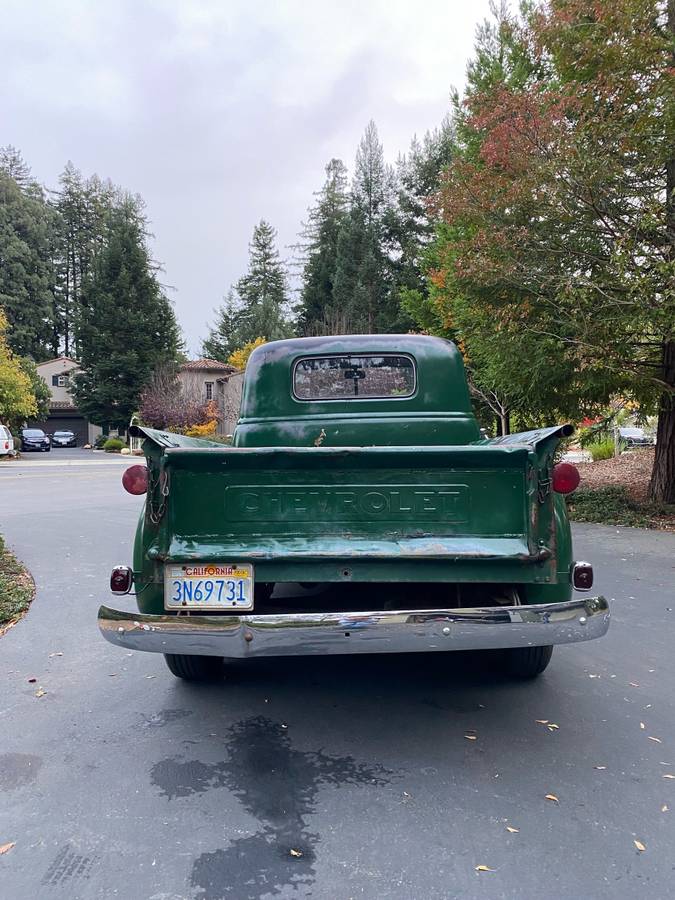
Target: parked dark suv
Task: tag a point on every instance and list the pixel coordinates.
(63, 439)
(35, 439)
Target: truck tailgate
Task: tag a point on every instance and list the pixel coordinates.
(373, 505)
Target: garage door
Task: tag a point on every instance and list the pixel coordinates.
(76, 424)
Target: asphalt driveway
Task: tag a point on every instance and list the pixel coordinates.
(341, 777)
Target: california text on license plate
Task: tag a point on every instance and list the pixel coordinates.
(209, 586)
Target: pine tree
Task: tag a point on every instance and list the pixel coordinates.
(263, 291)
(258, 305)
(348, 295)
(411, 223)
(82, 207)
(26, 224)
(321, 235)
(221, 341)
(127, 325)
(362, 287)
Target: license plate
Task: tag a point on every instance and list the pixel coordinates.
(209, 586)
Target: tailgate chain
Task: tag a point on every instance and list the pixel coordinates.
(162, 481)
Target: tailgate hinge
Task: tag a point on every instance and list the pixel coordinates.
(543, 484)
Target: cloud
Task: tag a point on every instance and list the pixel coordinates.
(221, 113)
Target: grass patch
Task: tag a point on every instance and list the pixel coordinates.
(613, 505)
(16, 588)
(602, 450)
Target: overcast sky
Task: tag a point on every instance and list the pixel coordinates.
(221, 112)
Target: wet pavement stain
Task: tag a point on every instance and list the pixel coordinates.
(165, 717)
(176, 778)
(278, 785)
(18, 769)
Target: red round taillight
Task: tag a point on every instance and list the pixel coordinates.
(135, 479)
(566, 478)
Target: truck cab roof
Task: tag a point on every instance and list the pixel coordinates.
(356, 390)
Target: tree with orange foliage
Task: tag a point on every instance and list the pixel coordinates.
(558, 235)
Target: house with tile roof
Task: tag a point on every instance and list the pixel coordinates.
(203, 379)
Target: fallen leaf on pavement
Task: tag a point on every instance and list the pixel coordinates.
(5, 848)
(40, 692)
(32, 680)
(668, 776)
(296, 852)
(151, 676)
(600, 768)
(552, 797)
(633, 684)
(58, 653)
(484, 869)
(541, 721)
(512, 829)
(553, 727)
(657, 740)
(665, 807)
(640, 845)
(642, 726)
(471, 737)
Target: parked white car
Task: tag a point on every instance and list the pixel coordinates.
(6, 441)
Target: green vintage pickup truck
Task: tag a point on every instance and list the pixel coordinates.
(359, 510)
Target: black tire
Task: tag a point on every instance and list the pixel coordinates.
(528, 662)
(195, 668)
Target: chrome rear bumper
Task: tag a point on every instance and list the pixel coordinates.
(301, 634)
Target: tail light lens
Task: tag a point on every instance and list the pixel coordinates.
(121, 580)
(135, 479)
(566, 478)
(582, 576)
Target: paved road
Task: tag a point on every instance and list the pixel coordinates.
(63, 456)
(121, 781)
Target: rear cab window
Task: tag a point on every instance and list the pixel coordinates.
(366, 376)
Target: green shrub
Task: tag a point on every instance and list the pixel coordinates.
(113, 445)
(601, 449)
(100, 441)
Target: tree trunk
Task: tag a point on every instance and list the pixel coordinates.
(662, 485)
(504, 423)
